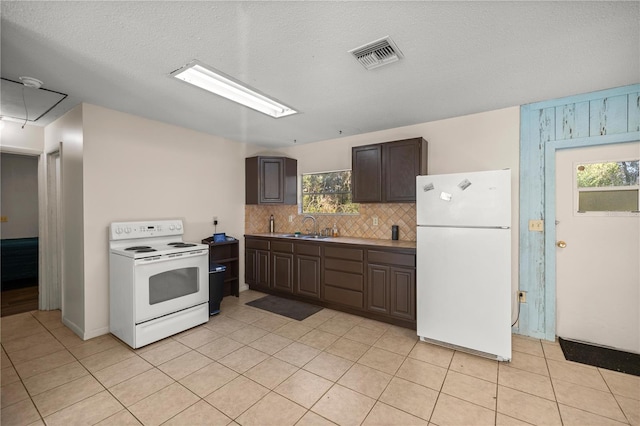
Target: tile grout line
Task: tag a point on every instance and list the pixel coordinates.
(384, 333)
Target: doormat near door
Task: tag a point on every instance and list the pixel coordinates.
(288, 308)
(610, 359)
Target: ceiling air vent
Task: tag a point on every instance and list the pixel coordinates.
(377, 53)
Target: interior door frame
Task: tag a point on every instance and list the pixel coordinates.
(42, 235)
(51, 288)
(596, 118)
(550, 213)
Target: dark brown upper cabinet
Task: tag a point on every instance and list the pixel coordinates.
(271, 180)
(386, 172)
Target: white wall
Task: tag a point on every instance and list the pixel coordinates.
(25, 141)
(139, 169)
(68, 131)
(476, 142)
(18, 140)
(19, 196)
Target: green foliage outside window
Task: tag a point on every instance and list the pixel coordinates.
(598, 175)
(328, 193)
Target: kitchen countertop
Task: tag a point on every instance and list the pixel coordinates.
(343, 240)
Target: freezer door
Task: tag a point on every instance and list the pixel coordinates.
(480, 199)
(464, 287)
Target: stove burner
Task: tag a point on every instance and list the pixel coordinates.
(181, 245)
(145, 250)
(136, 248)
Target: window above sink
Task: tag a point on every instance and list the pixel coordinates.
(328, 193)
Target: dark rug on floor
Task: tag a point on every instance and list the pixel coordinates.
(611, 359)
(288, 308)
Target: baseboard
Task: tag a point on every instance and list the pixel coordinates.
(73, 327)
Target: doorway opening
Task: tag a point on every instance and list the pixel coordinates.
(19, 233)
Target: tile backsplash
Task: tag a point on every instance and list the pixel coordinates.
(359, 226)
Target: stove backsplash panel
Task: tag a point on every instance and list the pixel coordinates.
(358, 226)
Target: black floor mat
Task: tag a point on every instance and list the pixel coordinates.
(610, 359)
(288, 308)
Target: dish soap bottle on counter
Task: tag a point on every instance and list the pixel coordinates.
(272, 225)
(334, 232)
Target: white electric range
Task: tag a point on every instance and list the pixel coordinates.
(158, 284)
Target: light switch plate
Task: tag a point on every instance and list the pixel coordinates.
(536, 225)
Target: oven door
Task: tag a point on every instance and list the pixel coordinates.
(170, 283)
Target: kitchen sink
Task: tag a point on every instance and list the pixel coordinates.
(304, 236)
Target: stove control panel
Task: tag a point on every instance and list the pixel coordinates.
(158, 228)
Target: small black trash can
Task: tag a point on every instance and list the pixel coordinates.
(216, 287)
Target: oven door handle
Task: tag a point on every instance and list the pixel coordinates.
(169, 257)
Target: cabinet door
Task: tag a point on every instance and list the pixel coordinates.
(250, 266)
(367, 174)
(401, 165)
(307, 281)
(272, 180)
(403, 293)
(282, 272)
(262, 268)
(378, 288)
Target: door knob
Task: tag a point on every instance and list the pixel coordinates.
(561, 244)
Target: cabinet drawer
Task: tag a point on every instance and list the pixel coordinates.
(256, 244)
(344, 280)
(343, 265)
(308, 249)
(344, 297)
(344, 253)
(282, 246)
(400, 259)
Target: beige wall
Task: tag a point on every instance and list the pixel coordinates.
(484, 141)
(28, 143)
(120, 167)
(139, 169)
(19, 191)
(67, 130)
(15, 139)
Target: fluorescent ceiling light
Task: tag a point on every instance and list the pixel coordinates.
(214, 81)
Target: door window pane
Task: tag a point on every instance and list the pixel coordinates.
(608, 187)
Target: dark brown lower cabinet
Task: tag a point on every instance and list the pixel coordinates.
(403, 293)
(378, 289)
(343, 281)
(256, 263)
(282, 272)
(307, 265)
(391, 284)
(391, 291)
(378, 283)
(262, 278)
(282, 266)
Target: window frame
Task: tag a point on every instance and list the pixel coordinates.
(604, 213)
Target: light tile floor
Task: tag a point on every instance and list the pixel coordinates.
(250, 367)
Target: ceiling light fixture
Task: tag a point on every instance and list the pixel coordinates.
(31, 82)
(216, 82)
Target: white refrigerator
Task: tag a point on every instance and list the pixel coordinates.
(464, 261)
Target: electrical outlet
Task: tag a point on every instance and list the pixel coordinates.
(522, 296)
(536, 225)
(375, 221)
(290, 218)
(215, 220)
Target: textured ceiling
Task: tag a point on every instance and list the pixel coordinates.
(459, 58)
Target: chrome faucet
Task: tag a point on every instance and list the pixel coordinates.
(315, 224)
